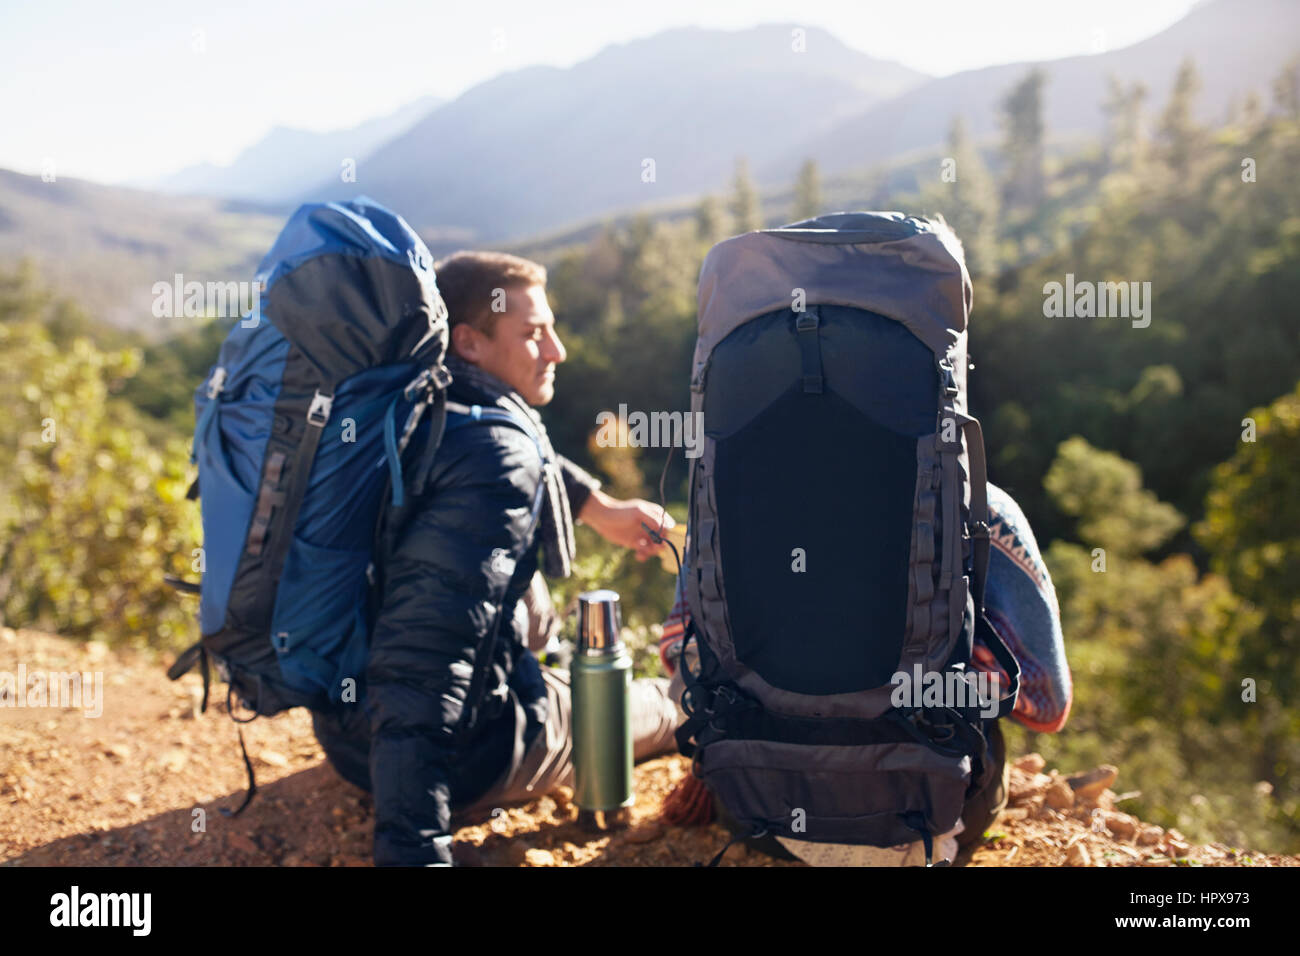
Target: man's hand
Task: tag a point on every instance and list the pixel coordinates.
(619, 521)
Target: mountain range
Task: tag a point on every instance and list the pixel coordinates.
(1238, 46)
(650, 124)
(539, 148)
(274, 168)
(639, 122)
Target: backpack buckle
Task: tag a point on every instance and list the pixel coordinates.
(949, 376)
(807, 329)
(437, 376)
(414, 385)
(319, 412)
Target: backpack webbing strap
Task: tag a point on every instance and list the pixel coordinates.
(977, 528)
(708, 704)
(980, 554)
(269, 497)
(991, 639)
(979, 507)
(252, 782)
(697, 717)
(807, 324)
(288, 500)
(949, 448)
(432, 382)
(196, 653)
(437, 425)
(757, 832)
(915, 820)
(949, 737)
(392, 453)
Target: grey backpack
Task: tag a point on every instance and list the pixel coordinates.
(839, 533)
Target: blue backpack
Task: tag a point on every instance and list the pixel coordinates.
(320, 418)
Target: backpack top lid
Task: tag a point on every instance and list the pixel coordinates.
(907, 268)
(352, 286)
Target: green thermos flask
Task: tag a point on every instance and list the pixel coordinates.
(601, 678)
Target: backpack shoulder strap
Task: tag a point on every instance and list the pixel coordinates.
(459, 415)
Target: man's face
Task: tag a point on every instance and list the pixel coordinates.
(523, 349)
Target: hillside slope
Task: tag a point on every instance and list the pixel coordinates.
(124, 789)
(106, 246)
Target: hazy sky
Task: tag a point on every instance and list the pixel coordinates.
(130, 90)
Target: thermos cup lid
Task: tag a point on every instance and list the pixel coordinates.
(600, 624)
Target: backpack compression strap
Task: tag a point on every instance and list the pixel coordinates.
(979, 523)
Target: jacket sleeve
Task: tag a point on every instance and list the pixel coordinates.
(578, 484)
(441, 583)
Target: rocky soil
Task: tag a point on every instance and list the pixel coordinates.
(144, 782)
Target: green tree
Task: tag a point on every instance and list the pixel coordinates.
(746, 215)
(1022, 146)
(1252, 531)
(970, 201)
(1252, 111)
(1181, 137)
(92, 507)
(708, 220)
(1154, 649)
(807, 192)
(1286, 90)
(1125, 143)
(1104, 492)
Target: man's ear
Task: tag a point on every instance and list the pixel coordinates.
(464, 341)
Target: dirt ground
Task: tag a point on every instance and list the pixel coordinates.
(143, 784)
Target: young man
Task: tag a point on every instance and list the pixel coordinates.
(447, 568)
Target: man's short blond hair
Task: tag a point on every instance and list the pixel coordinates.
(471, 282)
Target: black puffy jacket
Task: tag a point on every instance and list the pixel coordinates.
(435, 609)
